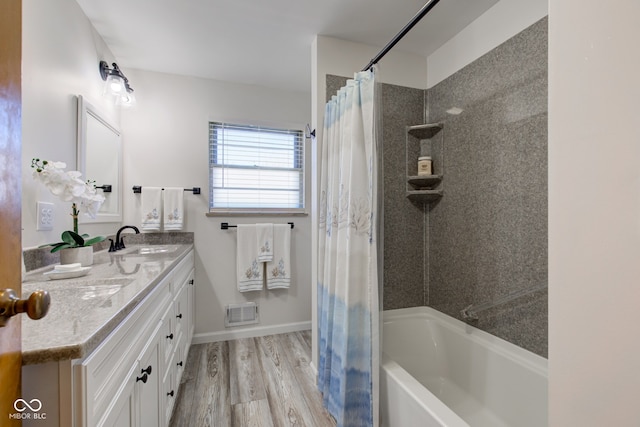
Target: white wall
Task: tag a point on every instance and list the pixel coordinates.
(594, 213)
(498, 24)
(166, 144)
(61, 51)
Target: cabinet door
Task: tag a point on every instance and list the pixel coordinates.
(148, 382)
(181, 307)
(122, 413)
(169, 391)
(168, 336)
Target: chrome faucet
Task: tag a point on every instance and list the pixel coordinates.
(119, 244)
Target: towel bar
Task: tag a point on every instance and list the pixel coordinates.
(138, 189)
(226, 226)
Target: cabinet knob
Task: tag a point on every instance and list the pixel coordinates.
(170, 393)
(179, 363)
(179, 316)
(142, 378)
(170, 337)
(146, 371)
(191, 282)
(36, 306)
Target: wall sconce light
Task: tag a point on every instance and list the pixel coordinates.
(116, 84)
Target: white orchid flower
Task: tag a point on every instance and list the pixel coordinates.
(68, 185)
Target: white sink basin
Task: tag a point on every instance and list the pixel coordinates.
(155, 249)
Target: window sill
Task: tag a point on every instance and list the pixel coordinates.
(256, 213)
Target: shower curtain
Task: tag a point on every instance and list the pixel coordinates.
(348, 314)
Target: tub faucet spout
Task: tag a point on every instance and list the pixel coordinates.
(468, 315)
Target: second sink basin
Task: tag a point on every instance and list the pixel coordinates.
(155, 249)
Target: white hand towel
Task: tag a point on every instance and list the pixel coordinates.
(173, 209)
(248, 270)
(264, 234)
(151, 204)
(279, 270)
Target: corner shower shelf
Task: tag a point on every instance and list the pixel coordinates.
(425, 131)
(424, 188)
(424, 182)
(424, 196)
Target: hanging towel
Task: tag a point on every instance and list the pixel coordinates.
(151, 205)
(248, 270)
(278, 271)
(264, 234)
(173, 209)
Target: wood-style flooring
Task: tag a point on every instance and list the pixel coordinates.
(265, 381)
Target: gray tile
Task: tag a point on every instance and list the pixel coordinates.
(488, 234)
(404, 230)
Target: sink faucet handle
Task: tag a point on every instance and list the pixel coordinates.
(112, 247)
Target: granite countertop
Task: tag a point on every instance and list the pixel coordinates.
(86, 309)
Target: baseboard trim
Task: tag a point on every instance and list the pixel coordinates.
(259, 331)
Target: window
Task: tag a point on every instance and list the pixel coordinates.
(255, 169)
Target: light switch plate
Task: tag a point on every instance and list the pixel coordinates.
(45, 216)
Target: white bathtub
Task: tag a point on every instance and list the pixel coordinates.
(439, 371)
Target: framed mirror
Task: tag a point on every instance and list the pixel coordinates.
(100, 160)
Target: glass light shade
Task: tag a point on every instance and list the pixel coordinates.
(126, 99)
(114, 85)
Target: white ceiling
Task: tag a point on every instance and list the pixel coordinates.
(263, 42)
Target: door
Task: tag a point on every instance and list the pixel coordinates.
(10, 200)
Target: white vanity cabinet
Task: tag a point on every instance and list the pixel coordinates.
(136, 402)
(175, 353)
(131, 378)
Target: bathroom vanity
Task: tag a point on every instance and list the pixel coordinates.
(114, 345)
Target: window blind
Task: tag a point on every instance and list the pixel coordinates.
(254, 168)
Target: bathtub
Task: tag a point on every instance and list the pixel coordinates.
(439, 371)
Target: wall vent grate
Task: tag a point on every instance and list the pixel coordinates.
(241, 314)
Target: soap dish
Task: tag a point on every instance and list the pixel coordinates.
(67, 267)
(54, 275)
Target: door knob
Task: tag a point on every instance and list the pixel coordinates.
(36, 306)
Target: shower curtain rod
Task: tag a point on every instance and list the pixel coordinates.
(421, 13)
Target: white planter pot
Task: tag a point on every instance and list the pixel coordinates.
(83, 255)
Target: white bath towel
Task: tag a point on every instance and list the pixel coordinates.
(173, 208)
(250, 272)
(264, 234)
(151, 204)
(278, 271)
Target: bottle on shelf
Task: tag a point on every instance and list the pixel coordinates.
(425, 166)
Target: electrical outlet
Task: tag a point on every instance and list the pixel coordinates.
(45, 216)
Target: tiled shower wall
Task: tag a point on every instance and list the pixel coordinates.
(486, 239)
(487, 236)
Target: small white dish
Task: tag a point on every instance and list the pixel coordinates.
(67, 267)
(55, 275)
